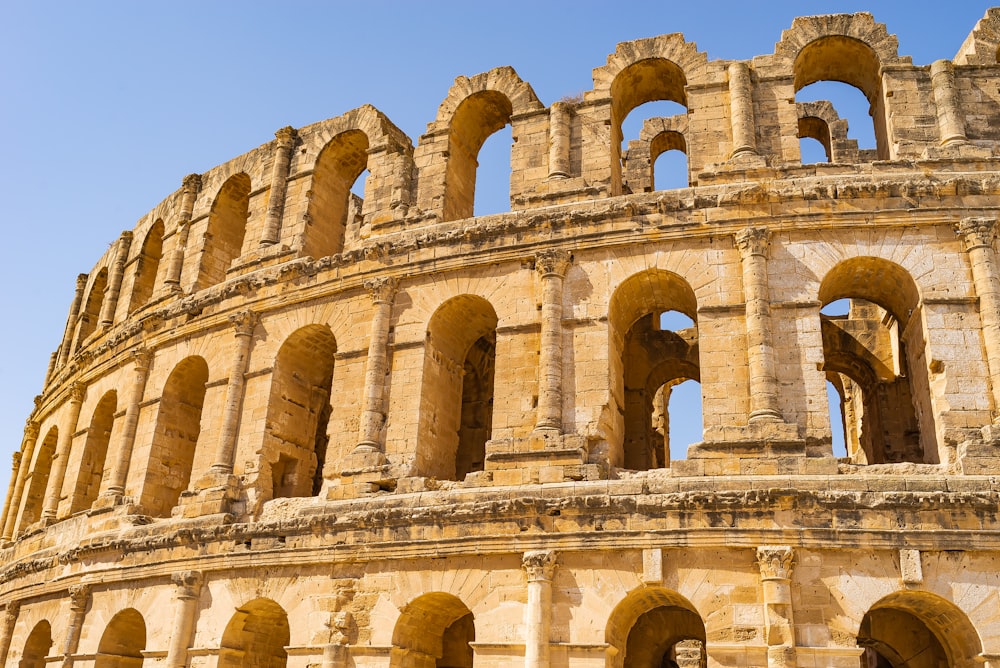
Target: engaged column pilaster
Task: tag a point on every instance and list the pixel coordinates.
(188, 589)
(775, 563)
(382, 291)
(58, 475)
(284, 143)
(540, 565)
(552, 265)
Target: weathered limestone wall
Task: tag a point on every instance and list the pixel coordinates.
(288, 425)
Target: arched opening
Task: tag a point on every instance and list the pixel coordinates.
(647, 362)
(456, 400)
(227, 224)
(256, 635)
(175, 437)
(917, 630)
(91, 312)
(493, 172)
(649, 80)
(654, 627)
(874, 357)
(147, 266)
(123, 641)
(95, 452)
(298, 412)
(333, 206)
(838, 58)
(668, 157)
(434, 630)
(38, 480)
(814, 141)
(476, 118)
(37, 646)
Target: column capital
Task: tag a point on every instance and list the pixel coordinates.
(753, 241)
(340, 624)
(188, 583)
(539, 564)
(192, 183)
(775, 561)
(11, 612)
(79, 597)
(81, 281)
(31, 428)
(244, 322)
(142, 358)
(977, 232)
(381, 289)
(77, 391)
(285, 136)
(15, 459)
(553, 262)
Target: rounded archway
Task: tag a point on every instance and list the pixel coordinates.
(37, 646)
(123, 641)
(915, 629)
(434, 631)
(874, 356)
(256, 635)
(456, 401)
(653, 626)
(645, 357)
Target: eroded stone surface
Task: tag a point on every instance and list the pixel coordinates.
(290, 426)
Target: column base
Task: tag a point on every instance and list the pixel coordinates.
(216, 492)
(545, 456)
(762, 447)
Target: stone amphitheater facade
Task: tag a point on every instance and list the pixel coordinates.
(290, 426)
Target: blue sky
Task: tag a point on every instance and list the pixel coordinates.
(107, 105)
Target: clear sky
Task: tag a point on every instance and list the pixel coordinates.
(105, 106)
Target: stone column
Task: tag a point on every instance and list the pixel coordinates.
(978, 235)
(79, 599)
(382, 292)
(141, 359)
(9, 620)
(244, 323)
(28, 450)
(559, 140)
(540, 565)
(74, 314)
(552, 265)
(188, 588)
(753, 243)
(741, 110)
(775, 563)
(58, 474)
(951, 125)
(16, 466)
(192, 184)
(284, 142)
(115, 282)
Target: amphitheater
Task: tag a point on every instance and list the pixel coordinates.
(288, 425)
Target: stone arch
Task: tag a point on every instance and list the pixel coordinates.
(298, 411)
(91, 312)
(256, 635)
(342, 148)
(982, 45)
(658, 135)
(123, 641)
(879, 348)
(175, 437)
(643, 358)
(38, 480)
(226, 229)
(433, 631)
(647, 625)
(147, 266)
(849, 48)
(37, 646)
(474, 109)
(455, 419)
(919, 629)
(339, 165)
(645, 70)
(95, 452)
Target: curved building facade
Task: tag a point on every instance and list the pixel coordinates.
(292, 426)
